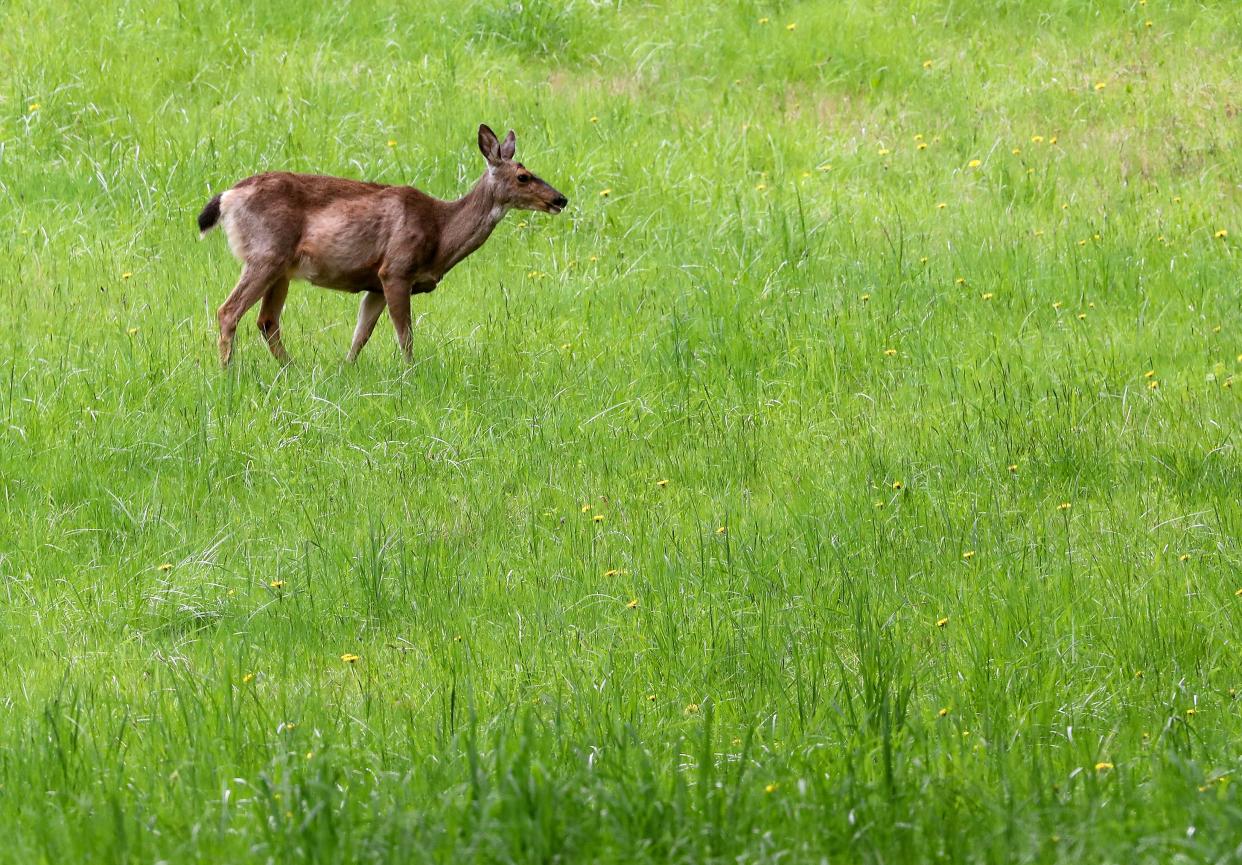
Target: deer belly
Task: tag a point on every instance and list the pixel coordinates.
(325, 276)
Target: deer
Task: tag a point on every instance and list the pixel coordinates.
(384, 242)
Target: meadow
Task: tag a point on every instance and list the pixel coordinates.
(850, 474)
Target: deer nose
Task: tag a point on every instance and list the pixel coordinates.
(560, 201)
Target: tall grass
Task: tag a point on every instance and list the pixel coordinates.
(894, 344)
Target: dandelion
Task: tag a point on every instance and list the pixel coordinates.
(890, 352)
(633, 604)
(604, 193)
(132, 331)
(1082, 243)
(1151, 373)
(771, 788)
(961, 280)
(1052, 140)
(922, 145)
(350, 659)
(923, 260)
(759, 187)
(1147, 24)
(651, 698)
(1099, 85)
(594, 119)
(1064, 506)
(248, 678)
(884, 151)
(612, 572)
(1103, 767)
(927, 64)
(167, 566)
(1191, 712)
(764, 20)
(1013, 469)
(1138, 674)
(968, 555)
(941, 205)
(598, 518)
(585, 508)
(825, 167)
(1037, 139)
(974, 163)
(692, 708)
(940, 623)
(127, 274)
(720, 530)
(457, 638)
(1238, 593)
(987, 295)
(1082, 316)
(1017, 151)
(918, 136)
(1177, 199)
(1184, 557)
(1153, 385)
(880, 506)
(898, 485)
(1221, 234)
(942, 712)
(1065, 205)
(791, 27)
(277, 584)
(34, 106)
(392, 142)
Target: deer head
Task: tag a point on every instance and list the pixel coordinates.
(513, 184)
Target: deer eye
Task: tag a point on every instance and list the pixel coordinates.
(523, 178)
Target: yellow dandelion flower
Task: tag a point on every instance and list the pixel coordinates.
(1052, 140)
(720, 530)
(987, 295)
(598, 518)
(1177, 199)
(1103, 767)
(865, 297)
(824, 167)
(132, 331)
(974, 163)
(1100, 85)
(692, 708)
(927, 64)
(1082, 316)
(1064, 506)
(1017, 151)
(1238, 593)
(127, 274)
(918, 136)
(1138, 674)
(612, 572)
(1184, 557)
(791, 26)
(879, 505)
(351, 659)
(248, 678)
(923, 260)
(1151, 373)
(884, 151)
(1221, 234)
(1147, 23)
(651, 698)
(35, 106)
(764, 20)
(392, 142)
(1153, 385)
(940, 623)
(922, 145)
(969, 554)
(1037, 139)
(1056, 304)
(632, 605)
(604, 193)
(167, 566)
(1013, 468)
(898, 485)
(1082, 243)
(594, 119)
(771, 788)
(759, 187)
(1065, 205)
(277, 584)
(585, 508)
(941, 205)
(942, 712)
(1191, 712)
(890, 352)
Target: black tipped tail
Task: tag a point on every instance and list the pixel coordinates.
(210, 215)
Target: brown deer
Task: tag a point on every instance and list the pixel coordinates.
(387, 242)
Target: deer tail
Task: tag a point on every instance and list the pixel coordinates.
(209, 217)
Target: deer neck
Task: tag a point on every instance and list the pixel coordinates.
(470, 222)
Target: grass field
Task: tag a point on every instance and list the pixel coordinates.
(850, 474)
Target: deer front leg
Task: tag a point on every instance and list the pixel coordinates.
(397, 296)
(369, 311)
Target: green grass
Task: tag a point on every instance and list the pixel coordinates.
(769, 310)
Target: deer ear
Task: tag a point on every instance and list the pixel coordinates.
(488, 145)
(508, 147)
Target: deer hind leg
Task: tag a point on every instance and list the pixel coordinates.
(269, 318)
(369, 311)
(256, 279)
